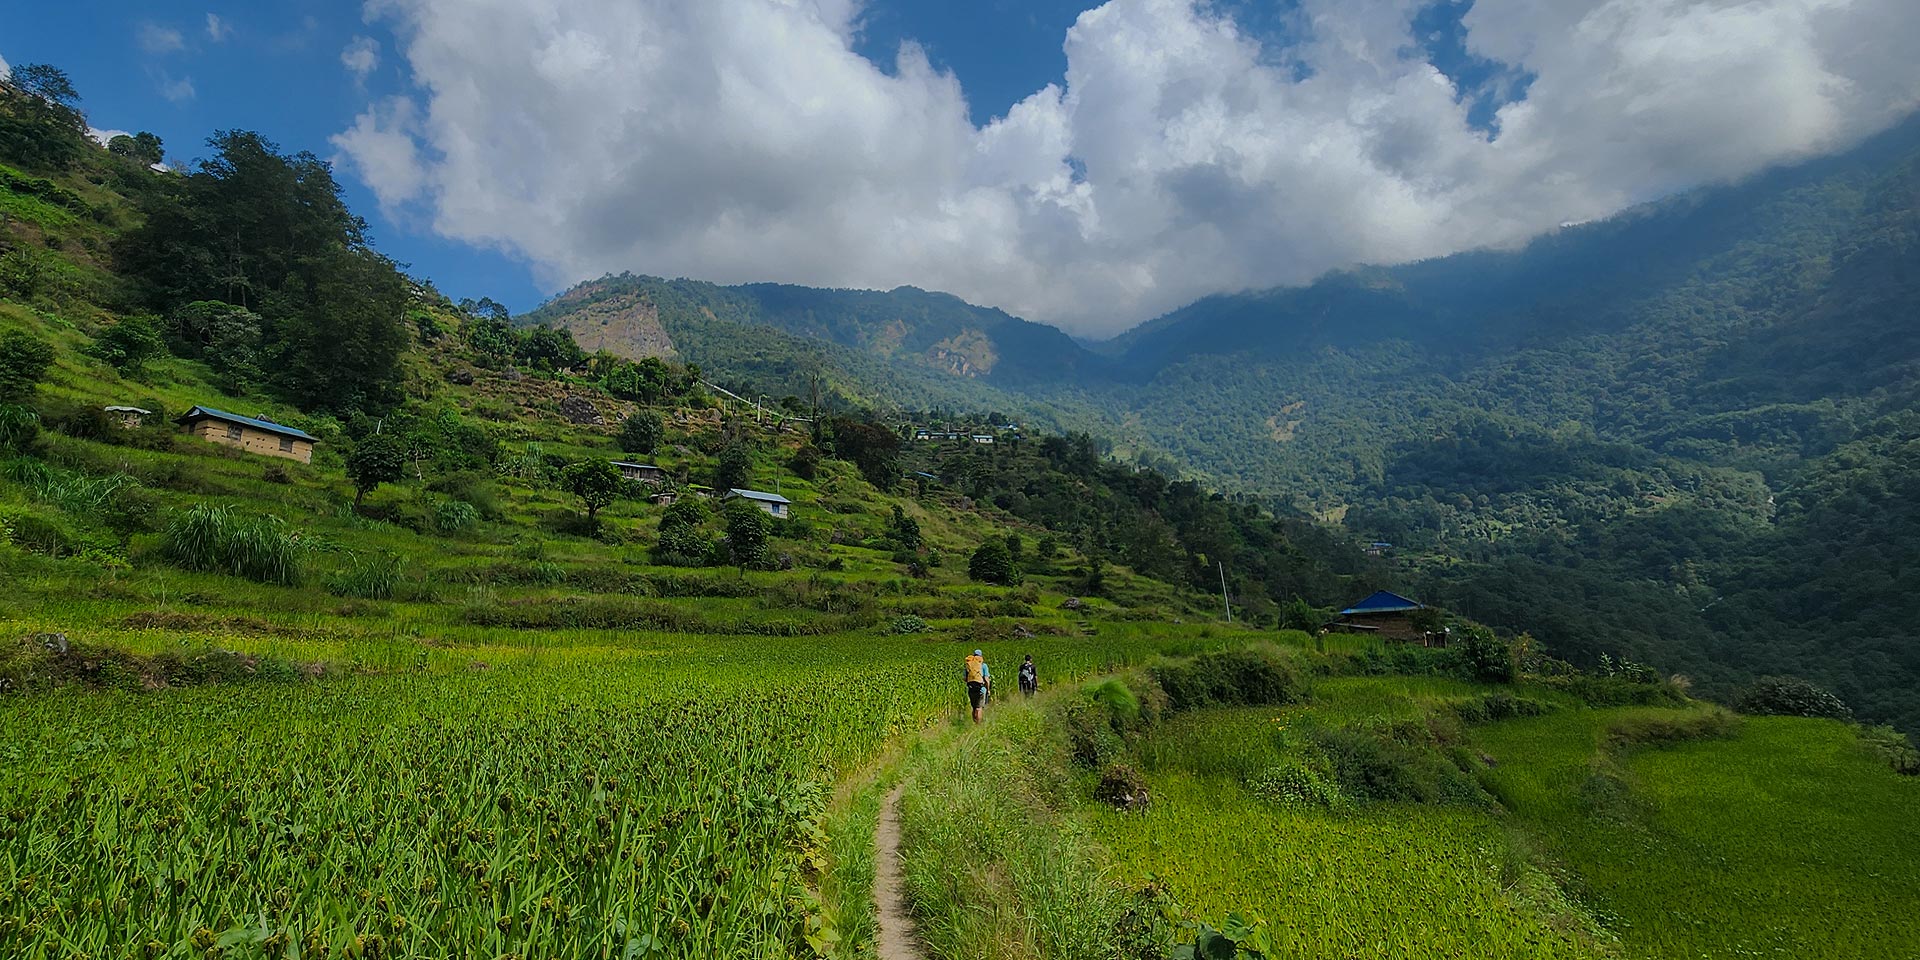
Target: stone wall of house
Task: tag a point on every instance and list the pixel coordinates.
(253, 440)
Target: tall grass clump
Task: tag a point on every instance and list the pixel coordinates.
(370, 578)
(214, 539)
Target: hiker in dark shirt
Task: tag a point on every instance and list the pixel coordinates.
(1029, 677)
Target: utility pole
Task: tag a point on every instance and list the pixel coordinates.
(1223, 591)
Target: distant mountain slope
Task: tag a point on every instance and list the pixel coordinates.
(926, 337)
(1677, 434)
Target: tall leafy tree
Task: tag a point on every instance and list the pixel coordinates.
(143, 148)
(641, 432)
(596, 482)
(991, 563)
(41, 126)
(375, 460)
(270, 233)
(747, 530)
(734, 468)
(24, 360)
(129, 344)
(871, 446)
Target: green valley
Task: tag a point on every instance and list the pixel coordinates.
(342, 618)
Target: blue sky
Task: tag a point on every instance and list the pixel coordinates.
(275, 67)
(509, 148)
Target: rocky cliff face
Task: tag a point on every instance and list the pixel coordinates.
(625, 326)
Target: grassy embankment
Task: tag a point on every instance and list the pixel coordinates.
(1411, 816)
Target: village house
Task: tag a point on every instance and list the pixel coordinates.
(128, 418)
(922, 435)
(251, 434)
(772, 504)
(983, 438)
(643, 472)
(1392, 617)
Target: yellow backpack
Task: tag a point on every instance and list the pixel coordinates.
(976, 669)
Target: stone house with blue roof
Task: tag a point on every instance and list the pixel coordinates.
(251, 434)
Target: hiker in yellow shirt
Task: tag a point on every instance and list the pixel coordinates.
(979, 683)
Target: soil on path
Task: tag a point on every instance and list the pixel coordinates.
(895, 941)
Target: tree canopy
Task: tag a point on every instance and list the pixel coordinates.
(270, 233)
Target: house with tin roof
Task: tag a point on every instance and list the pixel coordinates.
(252, 434)
(1391, 616)
(772, 504)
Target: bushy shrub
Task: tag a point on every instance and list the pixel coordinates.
(1123, 787)
(1615, 691)
(49, 534)
(1894, 747)
(907, 623)
(1485, 657)
(19, 428)
(129, 344)
(474, 487)
(1297, 783)
(1391, 764)
(1666, 729)
(132, 509)
(214, 539)
(1499, 706)
(455, 516)
(1791, 697)
(641, 432)
(1227, 678)
(992, 563)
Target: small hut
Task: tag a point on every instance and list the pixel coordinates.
(772, 504)
(643, 472)
(128, 418)
(1390, 616)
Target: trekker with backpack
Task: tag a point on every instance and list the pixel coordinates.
(1029, 677)
(979, 683)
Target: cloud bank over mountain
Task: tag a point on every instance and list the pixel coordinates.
(738, 140)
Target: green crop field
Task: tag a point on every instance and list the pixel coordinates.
(657, 794)
(457, 688)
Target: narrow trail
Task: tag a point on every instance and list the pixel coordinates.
(895, 940)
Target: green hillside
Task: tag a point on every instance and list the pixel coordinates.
(1675, 435)
(457, 687)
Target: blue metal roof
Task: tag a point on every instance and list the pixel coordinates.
(267, 425)
(636, 466)
(757, 495)
(1384, 602)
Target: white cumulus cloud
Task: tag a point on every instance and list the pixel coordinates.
(155, 38)
(218, 30)
(176, 90)
(746, 140)
(361, 57)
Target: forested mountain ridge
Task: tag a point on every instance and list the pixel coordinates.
(1676, 433)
